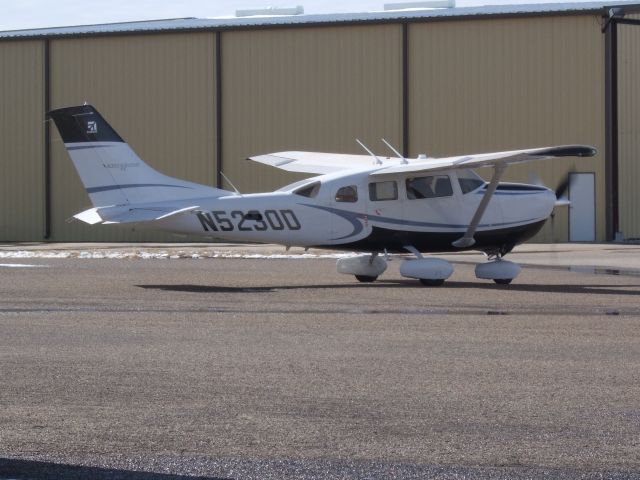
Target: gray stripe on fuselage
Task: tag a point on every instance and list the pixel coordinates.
(107, 188)
(85, 147)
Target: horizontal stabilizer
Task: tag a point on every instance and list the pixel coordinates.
(130, 214)
(90, 216)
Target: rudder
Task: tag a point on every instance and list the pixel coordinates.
(109, 169)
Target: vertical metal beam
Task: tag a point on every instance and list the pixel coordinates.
(218, 107)
(405, 89)
(47, 143)
(611, 130)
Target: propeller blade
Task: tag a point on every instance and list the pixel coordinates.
(562, 187)
(562, 190)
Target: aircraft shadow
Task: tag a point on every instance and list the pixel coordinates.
(551, 288)
(33, 470)
(515, 287)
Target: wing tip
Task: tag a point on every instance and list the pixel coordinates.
(570, 151)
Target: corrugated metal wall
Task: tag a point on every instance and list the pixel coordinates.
(629, 129)
(22, 141)
(473, 86)
(157, 91)
(312, 89)
(487, 85)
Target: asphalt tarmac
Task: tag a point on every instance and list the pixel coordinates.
(248, 368)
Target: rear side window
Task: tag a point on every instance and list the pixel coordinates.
(379, 191)
(347, 194)
(310, 191)
(428, 187)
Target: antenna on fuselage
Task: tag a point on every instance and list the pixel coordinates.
(230, 183)
(398, 154)
(378, 161)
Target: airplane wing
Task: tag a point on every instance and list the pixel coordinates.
(314, 162)
(129, 214)
(323, 163)
(488, 159)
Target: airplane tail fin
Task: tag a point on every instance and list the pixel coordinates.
(110, 170)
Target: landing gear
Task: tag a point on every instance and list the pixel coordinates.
(500, 271)
(432, 272)
(366, 278)
(366, 268)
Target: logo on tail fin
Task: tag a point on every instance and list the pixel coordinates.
(92, 126)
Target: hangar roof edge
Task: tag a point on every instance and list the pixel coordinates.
(192, 23)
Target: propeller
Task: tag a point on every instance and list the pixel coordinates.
(562, 199)
(562, 190)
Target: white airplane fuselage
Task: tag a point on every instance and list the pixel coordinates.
(292, 217)
(354, 202)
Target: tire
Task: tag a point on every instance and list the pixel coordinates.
(366, 278)
(429, 282)
(503, 281)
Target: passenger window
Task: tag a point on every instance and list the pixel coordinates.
(347, 194)
(383, 191)
(428, 187)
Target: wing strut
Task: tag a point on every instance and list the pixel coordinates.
(467, 239)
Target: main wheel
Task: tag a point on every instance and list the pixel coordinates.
(366, 278)
(503, 281)
(430, 282)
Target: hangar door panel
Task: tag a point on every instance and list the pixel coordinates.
(22, 144)
(582, 210)
(629, 130)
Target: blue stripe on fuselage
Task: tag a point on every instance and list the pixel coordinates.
(354, 217)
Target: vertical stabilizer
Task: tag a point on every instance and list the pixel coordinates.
(110, 170)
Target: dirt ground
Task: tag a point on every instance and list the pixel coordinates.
(226, 368)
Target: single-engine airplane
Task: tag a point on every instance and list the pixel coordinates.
(360, 203)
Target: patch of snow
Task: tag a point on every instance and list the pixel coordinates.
(21, 265)
(165, 255)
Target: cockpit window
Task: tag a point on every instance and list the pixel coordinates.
(383, 191)
(309, 191)
(469, 180)
(347, 194)
(428, 187)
